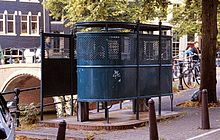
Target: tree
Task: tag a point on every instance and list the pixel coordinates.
(187, 18)
(197, 16)
(209, 34)
(111, 10)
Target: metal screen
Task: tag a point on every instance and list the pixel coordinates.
(58, 64)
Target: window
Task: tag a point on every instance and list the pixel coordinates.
(175, 49)
(34, 1)
(30, 24)
(10, 23)
(7, 0)
(175, 44)
(1, 23)
(34, 25)
(24, 24)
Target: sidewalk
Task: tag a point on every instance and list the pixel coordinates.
(185, 127)
(120, 120)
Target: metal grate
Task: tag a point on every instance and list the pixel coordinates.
(91, 48)
(104, 47)
(165, 50)
(114, 47)
(150, 50)
(126, 49)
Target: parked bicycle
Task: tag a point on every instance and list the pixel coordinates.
(191, 76)
(188, 71)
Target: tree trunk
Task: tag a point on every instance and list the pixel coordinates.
(209, 34)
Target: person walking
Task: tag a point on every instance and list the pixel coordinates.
(192, 50)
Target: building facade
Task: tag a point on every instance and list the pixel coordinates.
(21, 22)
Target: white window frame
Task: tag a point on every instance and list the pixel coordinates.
(27, 21)
(29, 24)
(31, 1)
(37, 22)
(3, 20)
(13, 21)
(5, 23)
(7, 0)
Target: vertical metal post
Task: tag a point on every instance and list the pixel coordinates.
(63, 102)
(159, 107)
(121, 104)
(134, 106)
(97, 106)
(160, 63)
(42, 73)
(17, 112)
(137, 73)
(61, 130)
(83, 113)
(171, 102)
(152, 121)
(106, 112)
(205, 110)
(180, 86)
(71, 55)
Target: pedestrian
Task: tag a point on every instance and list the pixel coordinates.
(47, 47)
(192, 50)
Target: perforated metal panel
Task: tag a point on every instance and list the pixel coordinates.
(150, 50)
(106, 49)
(114, 48)
(166, 49)
(91, 48)
(107, 66)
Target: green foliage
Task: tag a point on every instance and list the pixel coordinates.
(110, 10)
(29, 114)
(187, 18)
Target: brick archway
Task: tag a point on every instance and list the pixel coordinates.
(26, 79)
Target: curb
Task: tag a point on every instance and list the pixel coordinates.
(111, 126)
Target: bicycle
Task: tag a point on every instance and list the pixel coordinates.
(191, 76)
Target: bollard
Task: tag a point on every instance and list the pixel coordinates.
(152, 121)
(61, 130)
(205, 110)
(17, 112)
(180, 86)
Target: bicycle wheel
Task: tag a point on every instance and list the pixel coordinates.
(189, 78)
(197, 75)
(175, 72)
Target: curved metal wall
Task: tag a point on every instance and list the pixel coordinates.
(107, 66)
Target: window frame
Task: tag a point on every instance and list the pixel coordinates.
(23, 21)
(30, 24)
(37, 25)
(3, 23)
(30, 1)
(7, 0)
(10, 20)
